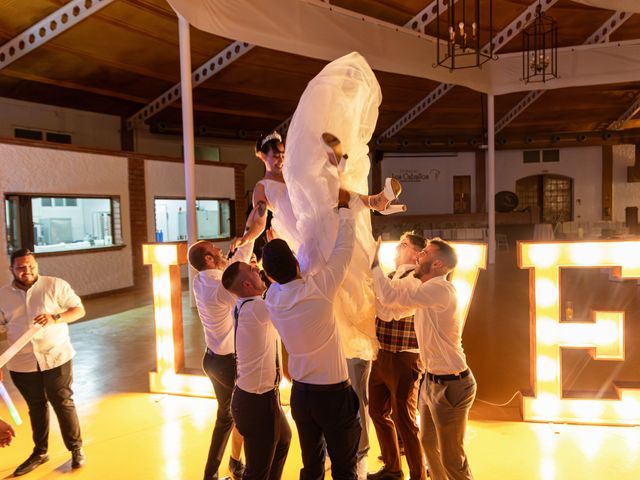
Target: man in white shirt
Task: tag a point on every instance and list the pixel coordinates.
(255, 404)
(214, 309)
(41, 370)
(449, 388)
(323, 404)
(396, 373)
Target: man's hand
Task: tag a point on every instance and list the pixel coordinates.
(6, 433)
(44, 319)
(271, 234)
(343, 198)
(236, 243)
(376, 260)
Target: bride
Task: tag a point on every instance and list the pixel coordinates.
(303, 192)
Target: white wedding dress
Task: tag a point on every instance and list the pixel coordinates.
(342, 99)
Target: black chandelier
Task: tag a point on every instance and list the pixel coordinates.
(540, 49)
(462, 30)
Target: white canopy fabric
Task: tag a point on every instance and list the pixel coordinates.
(317, 29)
(632, 6)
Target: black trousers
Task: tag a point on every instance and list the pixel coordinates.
(260, 420)
(221, 370)
(326, 420)
(50, 386)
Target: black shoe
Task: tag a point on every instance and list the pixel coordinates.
(384, 474)
(78, 459)
(236, 468)
(31, 463)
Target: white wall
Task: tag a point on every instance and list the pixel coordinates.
(166, 179)
(583, 164)
(432, 195)
(624, 194)
(86, 128)
(435, 195)
(232, 151)
(39, 170)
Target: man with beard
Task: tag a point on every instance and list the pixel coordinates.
(219, 362)
(449, 388)
(396, 374)
(41, 370)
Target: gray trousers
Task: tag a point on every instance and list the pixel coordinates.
(359, 371)
(444, 409)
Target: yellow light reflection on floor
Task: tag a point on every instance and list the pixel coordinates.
(166, 437)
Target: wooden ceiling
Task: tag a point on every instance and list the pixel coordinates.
(125, 55)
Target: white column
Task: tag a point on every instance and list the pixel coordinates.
(491, 177)
(187, 136)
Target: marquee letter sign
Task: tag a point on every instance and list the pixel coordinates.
(603, 336)
(170, 375)
(471, 258)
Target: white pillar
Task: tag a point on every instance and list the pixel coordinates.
(491, 177)
(187, 136)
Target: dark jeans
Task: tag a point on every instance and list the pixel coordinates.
(393, 400)
(221, 370)
(54, 386)
(327, 420)
(260, 420)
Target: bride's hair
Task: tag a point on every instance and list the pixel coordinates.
(268, 142)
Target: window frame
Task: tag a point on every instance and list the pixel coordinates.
(27, 226)
(232, 223)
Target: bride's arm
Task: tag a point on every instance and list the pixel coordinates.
(257, 220)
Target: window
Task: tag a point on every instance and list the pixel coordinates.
(60, 224)
(531, 156)
(551, 155)
(42, 135)
(214, 219)
(552, 193)
(28, 134)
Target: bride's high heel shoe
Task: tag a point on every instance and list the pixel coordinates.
(391, 191)
(333, 147)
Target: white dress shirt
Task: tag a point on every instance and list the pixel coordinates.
(438, 328)
(257, 342)
(386, 312)
(214, 305)
(302, 312)
(51, 346)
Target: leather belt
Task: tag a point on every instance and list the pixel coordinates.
(448, 378)
(310, 387)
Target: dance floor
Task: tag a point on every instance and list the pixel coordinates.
(130, 433)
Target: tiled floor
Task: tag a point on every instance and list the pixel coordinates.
(132, 434)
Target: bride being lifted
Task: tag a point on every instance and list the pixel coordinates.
(303, 195)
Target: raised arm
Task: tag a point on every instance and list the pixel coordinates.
(257, 220)
(330, 277)
(389, 312)
(408, 295)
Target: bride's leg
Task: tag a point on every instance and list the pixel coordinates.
(382, 201)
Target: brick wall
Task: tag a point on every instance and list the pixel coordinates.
(138, 215)
(240, 203)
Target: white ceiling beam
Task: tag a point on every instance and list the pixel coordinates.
(498, 41)
(49, 27)
(601, 35)
(627, 115)
(200, 75)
